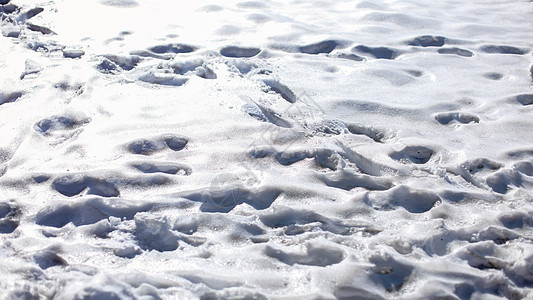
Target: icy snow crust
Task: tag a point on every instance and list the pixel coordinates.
(264, 149)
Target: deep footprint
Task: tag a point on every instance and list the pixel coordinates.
(463, 118)
(152, 146)
(321, 47)
(378, 52)
(234, 51)
(413, 154)
(456, 51)
(502, 50)
(9, 97)
(525, 99)
(167, 168)
(57, 123)
(428, 41)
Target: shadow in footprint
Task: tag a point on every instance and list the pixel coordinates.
(525, 99)
(88, 211)
(378, 52)
(166, 168)
(9, 217)
(48, 258)
(113, 64)
(320, 47)
(413, 154)
(428, 41)
(449, 117)
(172, 48)
(58, 123)
(389, 272)
(348, 180)
(414, 201)
(298, 221)
(456, 51)
(72, 185)
(235, 51)
(349, 56)
(225, 196)
(9, 97)
(151, 146)
(493, 75)
(497, 49)
(320, 256)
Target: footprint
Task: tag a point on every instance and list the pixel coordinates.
(524, 167)
(378, 52)
(320, 47)
(515, 219)
(73, 53)
(244, 67)
(413, 154)
(320, 256)
(259, 18)
(39, 28)
(172, 48)
(197, 66)
(9, 97)
(167, 168)
(389, 272)
(478, 165)
(463, 118)
(174, 142)
(9, 217)
(502, 50)
(72, 185)
(88, 211)
(493, 75)
(225, 194)
(348, 180)
(58, 123)
(264, 114)
(112, 64)
(352, 292)
(235, 51)
(428, 41)
(525, 99)
(211, 8)
(251, 4)
(413, 200)
(48, 258)
(8, 8)
(349, 56)
(120, 3)
(162, 78)
(281, 89)
(456, 51)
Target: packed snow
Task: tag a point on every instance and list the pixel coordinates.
(266, 149)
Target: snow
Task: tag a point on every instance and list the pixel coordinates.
(266, 150)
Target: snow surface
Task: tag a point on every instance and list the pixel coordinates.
(266, 149)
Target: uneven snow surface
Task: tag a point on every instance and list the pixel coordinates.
(266, 149)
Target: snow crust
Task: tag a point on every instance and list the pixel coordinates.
(266, 149)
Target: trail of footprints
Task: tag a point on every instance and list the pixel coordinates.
(388, 271)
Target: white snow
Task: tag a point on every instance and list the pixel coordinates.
(266, 149)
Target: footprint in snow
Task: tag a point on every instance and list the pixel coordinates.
(236, 51)
(157, 144)
(427, 41)
(459, 117)
(378, 52)
(456, 51)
